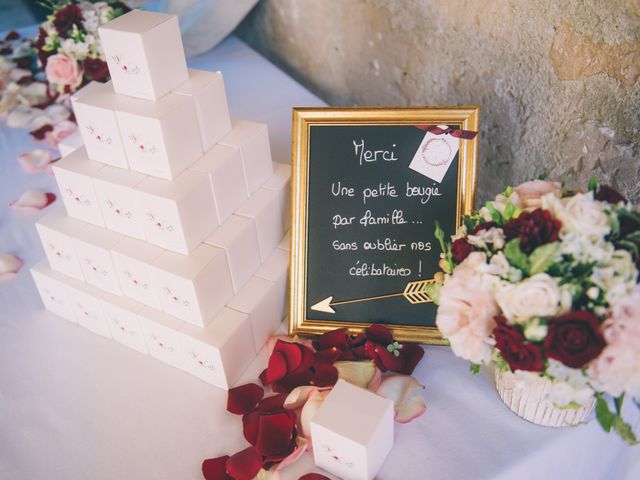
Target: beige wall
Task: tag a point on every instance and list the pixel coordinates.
(557, 82)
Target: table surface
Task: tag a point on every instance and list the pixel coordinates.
(74, 405)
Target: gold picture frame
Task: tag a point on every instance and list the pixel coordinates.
(463, 117)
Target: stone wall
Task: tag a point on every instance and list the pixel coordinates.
(557, 82)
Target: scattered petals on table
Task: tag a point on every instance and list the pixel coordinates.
(361, 373)
(216, 468)
(22, 116)
(244, 399)
(406, 394)
(36, 161)
(34, 200)
(9, 265)
(313, 476)
(244, 465)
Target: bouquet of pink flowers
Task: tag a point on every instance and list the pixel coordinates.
(544, 282)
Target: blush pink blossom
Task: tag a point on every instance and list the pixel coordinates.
(63, 70)
(531, 193)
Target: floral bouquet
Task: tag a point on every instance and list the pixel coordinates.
(544, 282)
(300, 374)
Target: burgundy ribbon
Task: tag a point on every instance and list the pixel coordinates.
(454, 132)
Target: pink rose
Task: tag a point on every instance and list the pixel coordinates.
(60, 131)
(531, 193)
(63, 70)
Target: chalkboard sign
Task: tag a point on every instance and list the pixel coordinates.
(369, 185)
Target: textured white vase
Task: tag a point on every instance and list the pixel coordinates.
(529, 402)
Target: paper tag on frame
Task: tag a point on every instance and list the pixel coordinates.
(435, 155)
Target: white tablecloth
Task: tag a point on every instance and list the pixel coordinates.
(74, 405)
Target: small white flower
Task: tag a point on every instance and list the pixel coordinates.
(593, 293)
(493, 236)
(535, 330)
(569, 385)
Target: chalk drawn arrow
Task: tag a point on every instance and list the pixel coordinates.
(415, 293)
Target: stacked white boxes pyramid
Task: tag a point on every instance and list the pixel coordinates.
(173, 236)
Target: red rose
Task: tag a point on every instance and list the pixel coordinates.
(514, 348)
(65, 18)
(574, 338)
(460, 249)
(606, 193)
(389, 354)
(533, 228)
(95, 69)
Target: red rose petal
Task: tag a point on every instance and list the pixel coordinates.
(243, 399)
(216, 468)
(334, 339)
(314, 476)
(277, 368)
(327, 357)
(272, 404)
(384, 359)
(292, 381)
(250, 425)
(307, 361)
(263, 377)
(245, 465)
(411, 355)
(292, 353)
(275, 433)
(379, 334)
(326, 376)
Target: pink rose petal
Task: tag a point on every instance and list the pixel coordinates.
(358, 373)
(309, 410)
(34, 200)
(36, 161)
(295, 455)
(9, 265)
(299, 396)
(404, 391)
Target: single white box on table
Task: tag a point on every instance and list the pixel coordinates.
(259, 300)
(238, 237)
(206, 90)
(87, 308)
(161, 333)
(352, 432)
(121, 212)
(281, 178)
(219, 353)
(57, 231)
(178, 215)
(52, 290)
(133, 261)
(70, 144)
(144, 53)
(194, 287)
(267, 209)
(276, 270)
(223, 166)
(73, 175)
(121, 314)
(93, 247)
(95, 113)
(253, 141)
(160, 138)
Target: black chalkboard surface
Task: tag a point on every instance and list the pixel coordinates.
(365, 209)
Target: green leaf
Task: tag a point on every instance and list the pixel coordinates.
(617, 401)
(603, 414)
(543, 176)
(593, 183)
(433, 291)
(624, 430)
(474, 368)
(508, 191)
(509, 210)
(614, 221)
(470, 222)
(439, 234)
(515, 256)
(543, 257)
(495, 214)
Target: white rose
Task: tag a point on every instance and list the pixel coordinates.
(579, 213)
(537, 296)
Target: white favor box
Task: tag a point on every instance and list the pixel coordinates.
(93, 248)
(144, 53)
(253, 141)
(121, 315)
(259, 300)
(281, 178)
(133, 263)
(56, 232)
(237, 236)
(219, 353)
(194, 287)
(88, 88)
(73, 175)
(162, 338)
(206, 90)
(85, 303)
(224, 167)
(52, 290)
(268, 209)
(114, 189)
(70, 144)
(352, 432)
(160, 138)
(178, 215)
(96, 116)
(276, 270)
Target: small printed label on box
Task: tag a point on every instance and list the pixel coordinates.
(125, 65)
(142, 146)
(99, 136)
